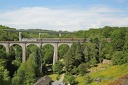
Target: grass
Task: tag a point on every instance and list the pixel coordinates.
(80, 80)
(53, 76)
(107, 74)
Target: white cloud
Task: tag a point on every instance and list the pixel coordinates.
(65, 19)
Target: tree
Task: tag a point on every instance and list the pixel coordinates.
(26, 72)
(107, 51)
(48, 54)
(62, 50)
(68, 60)
(106, 31)
(19, 77)
(79, 56)
(91, 53)
(82, 68)
(58, 67)
(118, 38)
(4, 74)
(125, 48)
(70, 79)
(88, 79)
(119, 58)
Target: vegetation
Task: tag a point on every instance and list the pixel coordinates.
(70, 79)
(58, 67)
(107, 74)
(109, 43)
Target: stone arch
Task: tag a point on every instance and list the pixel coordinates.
(31, 48)
(6, 45)
(18, 50)
(11, 44)
(2, 47)
(50, 54)
(69, 44)
(62, 49)
(43, 44)
(37, 44)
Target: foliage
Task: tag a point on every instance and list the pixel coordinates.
(82, 68)
(53, 76)
(91, 53)
(68, 59)
(107, 75)
(119, 58)
(58, 67)
(77, 58)
(107, 51)
(6, 35)
(118, 39)
(73, 57)
(88, 79)
(62, 50)
(70, 79)
(48, 54)
(4, 74)
(26, 73)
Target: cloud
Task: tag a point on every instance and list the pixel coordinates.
(120, 1)
(63, 19)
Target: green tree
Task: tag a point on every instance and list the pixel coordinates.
(119, 57)
(74, 57)
(79, 56)
(91, 53)
(48, 54)
(125, 48)
(19, 77)
(70, 79)
(68, 60)
(26, 72)
(82, 68)
(118, 38)
(107, 51)
(62, 50)
(58, 67)
(4, 74)
(106, 31)
(88, 79)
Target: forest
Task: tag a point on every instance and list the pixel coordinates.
(110, 43)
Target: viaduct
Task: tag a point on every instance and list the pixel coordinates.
(55, 43)
(24, 44)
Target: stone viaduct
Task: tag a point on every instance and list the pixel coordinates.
(24, 44)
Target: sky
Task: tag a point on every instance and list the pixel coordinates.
(65, 15)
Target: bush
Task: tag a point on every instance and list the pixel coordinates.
(70, 79)
(58, 67)
(74, 71)
(82, 68)
(88, 79)
(119, 58)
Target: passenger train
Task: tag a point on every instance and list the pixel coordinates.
(53, 39)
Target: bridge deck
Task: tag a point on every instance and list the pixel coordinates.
(39, 41)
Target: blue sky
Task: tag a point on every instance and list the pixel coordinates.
(68, 15)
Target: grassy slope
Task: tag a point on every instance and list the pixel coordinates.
(54, 76)
(107, 74)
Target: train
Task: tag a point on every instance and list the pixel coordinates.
(52, 39)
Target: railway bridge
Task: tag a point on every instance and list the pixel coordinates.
(54, 42)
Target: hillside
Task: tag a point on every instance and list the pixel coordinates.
(106, 73)
(121, 81)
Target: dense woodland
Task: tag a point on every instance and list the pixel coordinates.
(103, 43)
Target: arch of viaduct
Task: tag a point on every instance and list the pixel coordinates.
(55, 44)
